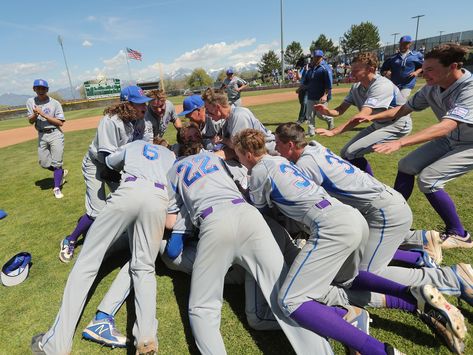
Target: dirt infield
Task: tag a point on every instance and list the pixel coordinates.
(20, 135)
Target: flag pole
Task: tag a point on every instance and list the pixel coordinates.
(128, 65)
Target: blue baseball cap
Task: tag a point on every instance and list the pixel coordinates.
(405, 39)
(318, 53)
(134, 94)
(191, 103)
(3, 214)
(41, 82)
(229, 71)
(16, 270)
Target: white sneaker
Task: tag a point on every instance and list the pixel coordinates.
(57, 192)
(433, 245)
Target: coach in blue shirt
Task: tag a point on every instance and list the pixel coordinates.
(404, 66)
(318, 83)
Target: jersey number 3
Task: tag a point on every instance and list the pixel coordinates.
(302, 181)
(193, 171)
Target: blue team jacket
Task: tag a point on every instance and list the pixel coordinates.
(401, 68)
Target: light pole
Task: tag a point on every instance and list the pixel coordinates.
(440, 36)
(394, 41)
(282, 49)
(417, 28)
(59, 39)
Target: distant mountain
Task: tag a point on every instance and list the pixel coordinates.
(13, 99)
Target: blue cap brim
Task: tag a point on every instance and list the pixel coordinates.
(141, 100)
(183, 113)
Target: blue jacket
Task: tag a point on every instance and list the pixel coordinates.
(317, 80)
(401, 68)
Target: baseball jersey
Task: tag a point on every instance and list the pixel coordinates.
(241, 118)
(455, 103)
(231, 86)
(276, 181)
(154, 126)
(199, 182)
(111, 134)
(380, 95)
(338, 177)
(142, 160)
(51, 107)
(401, 65)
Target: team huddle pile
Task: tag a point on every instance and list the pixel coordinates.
(230, 194)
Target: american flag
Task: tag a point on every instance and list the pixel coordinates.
(132, 54)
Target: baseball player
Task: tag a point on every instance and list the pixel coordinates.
(332, 254)
(387, 213)
(115, 129)
(371, 94)
(449, 149)
(204, 188)
(233, 85)
(159, 114)
(48, 118)
(236, 118)
(404, 67)
(138, 206)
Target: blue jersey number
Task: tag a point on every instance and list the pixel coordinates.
(194, 171)
(347, 167)
(302, 181)
(150, 152)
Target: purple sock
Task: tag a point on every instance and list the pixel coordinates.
(407, 256)
(366, 281)
(82, 227)
(363, 164)
(58, 174)
(327, 322)
(397, 303)
(444, 206)
(404, 184)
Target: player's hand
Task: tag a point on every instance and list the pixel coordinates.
(412, 75)
(321, 109)
(388, 147)
(324, 132)
(361, 118)
(38, 111)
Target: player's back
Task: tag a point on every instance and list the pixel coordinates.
(241, 118)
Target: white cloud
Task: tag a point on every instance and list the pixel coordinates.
(87, 43)
(18, 77)
(91, 18)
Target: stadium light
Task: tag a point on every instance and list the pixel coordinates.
(282, 48)
(59, 39)
(417, 28)
(440, 36)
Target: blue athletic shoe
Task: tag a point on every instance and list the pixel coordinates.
(464, 274)
(103, 331)
(425, 260)
(359, 318)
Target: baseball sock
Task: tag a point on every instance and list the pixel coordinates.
(363, 164)
(58, 174)
(366, 281)
(102, 315)
(404, 184)
(397, 303)
(444, 206)
(407, 256)
(82, 227)
(328, 322)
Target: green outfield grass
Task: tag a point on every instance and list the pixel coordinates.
(37, 222)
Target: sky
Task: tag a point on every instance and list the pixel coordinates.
(174, 34)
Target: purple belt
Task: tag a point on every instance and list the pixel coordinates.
(322, 204)
(134, 178)
(205, 213)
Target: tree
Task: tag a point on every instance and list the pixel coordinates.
(269, 62)
(57, 96)
(326, 45)
(363, 37)
(199, 79)
(221, 75)
(293, 53)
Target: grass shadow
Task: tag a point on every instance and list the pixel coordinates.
(45, 184)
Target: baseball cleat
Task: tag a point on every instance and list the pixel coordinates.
(390, 350)
(359, 318)
(433, 245)
(450, 241)
(64, 174)
(57, 192)
(67, 250)
(103, 331)
(431, 302)
(36, 346)
(425, 260)
(454, 344)
(464, 274)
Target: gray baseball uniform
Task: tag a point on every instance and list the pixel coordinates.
(111, 134)
(443, 159)
(50, 137)
(241, 118)
(338, 232)
(231, 86)
(205, 189)
(138, 206)
(154, 126)
(387, 213)
(381, 95)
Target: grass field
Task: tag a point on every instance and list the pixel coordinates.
(37, 222)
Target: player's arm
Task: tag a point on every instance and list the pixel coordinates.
(416, 72)
(242, 85)
(348, 125)
(438, 130)
(177, 123)
(391, 114)
(54, 120)
(337, 111)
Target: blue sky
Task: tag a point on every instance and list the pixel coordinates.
(186, 34)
